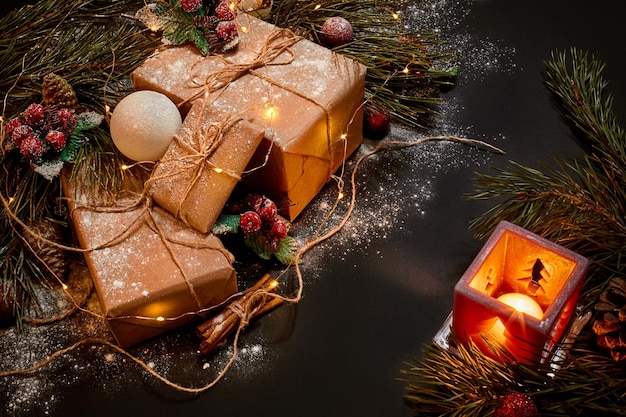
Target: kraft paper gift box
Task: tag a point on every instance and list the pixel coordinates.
(307, 99)
(152, 273)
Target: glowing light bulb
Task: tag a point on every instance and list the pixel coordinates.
(64, 286)
(154, 27)
(317, 7)
(244, 29)
(160, 318)
(522, 303)
(270, 113)
(344, 136)
(124, 167)
(232, 6)
(340, 195)
(218, 170)
(406, 70)
(395, 15)
(273, 284)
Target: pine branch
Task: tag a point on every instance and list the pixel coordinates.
(579, 204)
(470, 384)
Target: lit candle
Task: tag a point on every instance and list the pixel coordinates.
(522, 303)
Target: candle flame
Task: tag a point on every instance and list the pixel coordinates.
(522, 303)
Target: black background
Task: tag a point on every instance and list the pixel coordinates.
(340, 351)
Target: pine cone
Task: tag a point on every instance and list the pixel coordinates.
(610, 328)
(57, 91)
(54, 257)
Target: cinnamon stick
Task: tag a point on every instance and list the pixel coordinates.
(254, 302)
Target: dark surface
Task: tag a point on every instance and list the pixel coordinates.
(340, 351)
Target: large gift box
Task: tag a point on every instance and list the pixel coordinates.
(307, 99)
(152, 273)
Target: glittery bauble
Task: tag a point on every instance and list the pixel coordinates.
(516, 404)
(143, 125)
(336, 31)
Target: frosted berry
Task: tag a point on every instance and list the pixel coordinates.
(56, 140)
(223, 11)
(516, 404)
(376, 123)
(336, 31)
(250, 222)
(67, 120)
(226, 30)
(32, 147)
(11, 125)
(191, 6)
(34, 114)
(253, 201)
(267, 210)
(20, 133)
(278, 229)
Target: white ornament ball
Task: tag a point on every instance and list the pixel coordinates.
(143, 125)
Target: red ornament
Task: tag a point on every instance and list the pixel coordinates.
(34, 114)
(191, 6)
(56, 140)
(32, 147)
(516, 404)
(336, 31)
(376, 123)
(226, 30)
(223, 11)
(250, 222)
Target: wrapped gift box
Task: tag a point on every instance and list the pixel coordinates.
(152, 273)
(202, 166)
(306, 98)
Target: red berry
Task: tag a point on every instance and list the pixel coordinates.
(223, 11)
(20, 133)
(376, 123)
(191, 6)
(56, 140)
(32, 147)
(336, 31)
(278, 229)
(226, 30)
(11, 125)
(267, 210)
(67, 121)
(250, 222)
(516, 404)
(35, 114)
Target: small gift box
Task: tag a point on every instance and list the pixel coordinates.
(202, 166)
(519, 292)
(307, 99)
(152, 273)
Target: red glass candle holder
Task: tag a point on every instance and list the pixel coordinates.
(517, 262)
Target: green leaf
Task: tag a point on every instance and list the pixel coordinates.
(260, 245)
(287, 248)
(226, 223)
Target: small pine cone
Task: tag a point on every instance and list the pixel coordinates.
(610, 327)
(57, 91)
(54, 257)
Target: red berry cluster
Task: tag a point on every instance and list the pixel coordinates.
(260, 214)
(41, 130)
(226, 28)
